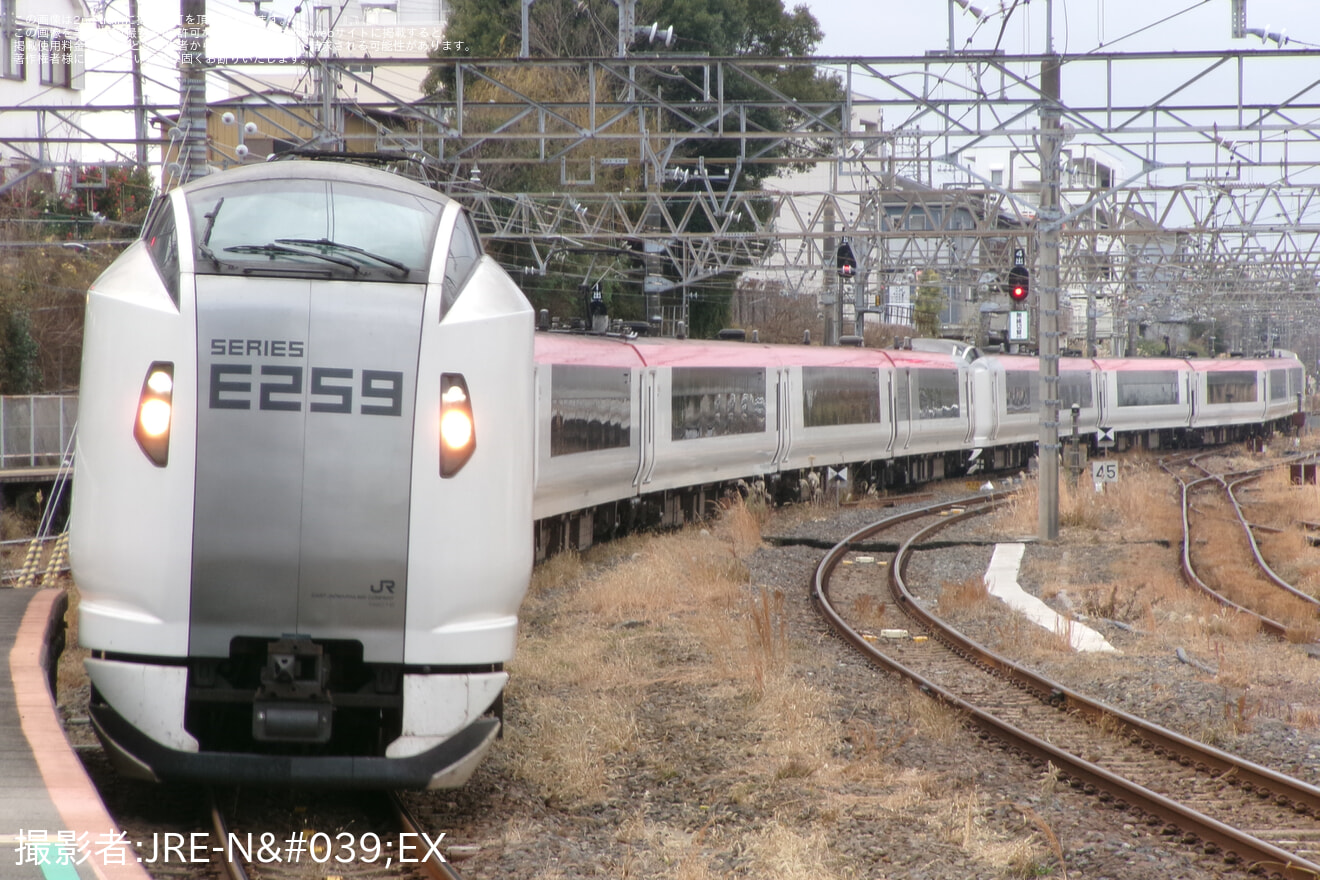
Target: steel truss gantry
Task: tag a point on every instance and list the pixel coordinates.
(1188, 178)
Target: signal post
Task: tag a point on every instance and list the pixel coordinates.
(1019, 288)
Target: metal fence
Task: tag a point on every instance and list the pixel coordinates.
(36, 429)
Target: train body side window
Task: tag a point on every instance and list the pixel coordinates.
(937, 394)
(461, 261)
(1074, 388)
(590, 409)
(717, 402)
(1231, 386)
(1278, 384)
(840, 396)
(1022, 388)
(1147, 387)
(162, 240)
(902, 396)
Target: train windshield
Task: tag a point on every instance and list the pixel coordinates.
(316, 228)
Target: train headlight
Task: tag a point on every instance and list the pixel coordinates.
(458, 434)
(155, 413)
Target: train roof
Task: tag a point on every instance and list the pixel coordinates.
(1027, 363)
(1233, 364)
(1144, 364)
(308, 169)
(577, 348)
(568, 348)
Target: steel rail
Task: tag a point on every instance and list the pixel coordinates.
(1247, 529)
(1273, 627)
(1260, 854)
(220, 829)
(435, 865)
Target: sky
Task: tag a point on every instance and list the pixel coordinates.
(912, 27)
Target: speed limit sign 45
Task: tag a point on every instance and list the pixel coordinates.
(1104, 471)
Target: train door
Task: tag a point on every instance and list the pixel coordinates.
(989, 402)
(968, 396)
(646, 401)
(1193, 378)
(900, 404)
(1103, 417)
(783, 415)
(304, 459)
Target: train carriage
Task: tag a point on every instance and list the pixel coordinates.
(1148, 401)
(1007, 396)
(588, 429)
(1232, 393)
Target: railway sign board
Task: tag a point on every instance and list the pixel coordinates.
(1019, 257)
(1104, 437)
(1104, 470)
(1019, 326)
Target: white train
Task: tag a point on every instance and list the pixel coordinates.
(317, 432)
(649, 430)
(303, 484)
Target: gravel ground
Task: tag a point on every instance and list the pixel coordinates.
(817, 765)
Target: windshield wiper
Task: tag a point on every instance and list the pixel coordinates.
(206, 234)
(352, 249)
(281, 250)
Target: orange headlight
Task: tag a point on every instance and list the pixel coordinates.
(458, 434)
(155, 413)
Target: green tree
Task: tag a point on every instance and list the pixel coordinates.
(929, 304)
(59, 247)
(19, 373)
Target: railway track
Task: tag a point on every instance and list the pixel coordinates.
(349, 836)
(1209, 500)
(1258, 818)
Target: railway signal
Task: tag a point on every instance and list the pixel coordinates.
(846, 261)
(1019, 284)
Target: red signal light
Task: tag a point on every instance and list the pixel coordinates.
(1019, 283)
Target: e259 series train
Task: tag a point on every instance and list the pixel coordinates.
(649, 429)
(300, 528)
(317, 428)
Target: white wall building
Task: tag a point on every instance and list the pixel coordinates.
(41, 65)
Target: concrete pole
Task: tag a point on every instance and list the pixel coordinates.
(1090, 321)
(139, 109)
(524, 49)
(192, 92)
(627, 21)
(834, 311)
(1048, 273)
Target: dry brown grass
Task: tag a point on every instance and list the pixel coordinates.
(682, 597)
(869, 611)
(929, 717)
(963, 595)
(1274, 501)
(636, 644)
(1143, 498)
(961, 822)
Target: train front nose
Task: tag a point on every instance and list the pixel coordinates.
(304, 449)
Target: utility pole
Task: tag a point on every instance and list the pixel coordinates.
(192, 89)
(139, 107)
(833, 310)
(1048, 272)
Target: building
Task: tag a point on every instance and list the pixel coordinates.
(41, 65)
